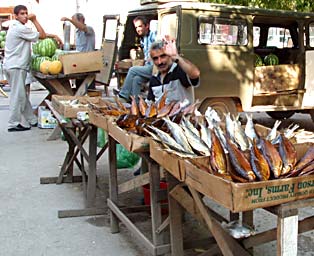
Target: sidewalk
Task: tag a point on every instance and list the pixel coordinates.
(28, 210)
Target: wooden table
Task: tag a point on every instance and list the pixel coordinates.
(61, 85)
(286, 232)
(159, 244)
(76, 133)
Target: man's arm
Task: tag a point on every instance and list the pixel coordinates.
(79, 25)
(32, 18)
(187, 66)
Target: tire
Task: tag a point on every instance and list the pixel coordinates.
(279, 115)
(221, 105)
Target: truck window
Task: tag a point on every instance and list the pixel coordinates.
(169, 25)
(311, 33)
(219, 31)
(111, 29)
(279, 37)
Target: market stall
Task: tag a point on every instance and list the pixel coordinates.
(77, 131)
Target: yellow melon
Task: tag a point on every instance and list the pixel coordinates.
(44, 66)
(55, 67)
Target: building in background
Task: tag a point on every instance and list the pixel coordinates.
(50, 12)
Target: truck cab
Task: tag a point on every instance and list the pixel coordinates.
(224, 42)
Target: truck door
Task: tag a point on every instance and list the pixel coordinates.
(309, 65)
(109, 47)
(169, 23)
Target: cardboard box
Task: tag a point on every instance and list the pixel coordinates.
(130, 141)
(68, 111)
(45, 118)
(276, 78)
(239, 197)
(100, 120)
(81, 62)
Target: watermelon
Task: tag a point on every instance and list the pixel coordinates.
(271, 59)
(37, 60)
(258, 61)
(46, 47)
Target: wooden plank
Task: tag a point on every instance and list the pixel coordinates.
(91, 182)
(187, 202)
(82, 212)
(164, 225)
(134, 183)
(305, 225)
(154, 183)
(53, 180)
(227, 244)
(113, 183)
(60, 88)
(152, 249)
(82, 88)
(287, 236)
(175, 215)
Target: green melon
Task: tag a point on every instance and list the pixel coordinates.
(271, 59)
(37, 60)
(258, 61)
(46, 47)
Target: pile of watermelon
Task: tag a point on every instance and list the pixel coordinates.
(270, 59)
(3, 34)
(46, 49)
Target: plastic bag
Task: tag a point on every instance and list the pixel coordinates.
(125, 158)
(101, 138)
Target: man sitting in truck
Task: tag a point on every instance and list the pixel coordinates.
(137, 75)
(176, 75)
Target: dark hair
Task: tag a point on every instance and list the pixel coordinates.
(141, 18)
(19, 8)
(157, 45)
(79, 16)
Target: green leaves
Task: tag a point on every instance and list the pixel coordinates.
(293, 5)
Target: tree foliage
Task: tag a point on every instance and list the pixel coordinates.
(294, 5)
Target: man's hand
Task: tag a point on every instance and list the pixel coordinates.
(31, 17)
(170, 47)
(65, 19)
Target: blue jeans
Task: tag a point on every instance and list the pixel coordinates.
(136, 76)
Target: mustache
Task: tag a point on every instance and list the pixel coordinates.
(161, 65)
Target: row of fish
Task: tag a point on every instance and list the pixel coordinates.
(235, 152)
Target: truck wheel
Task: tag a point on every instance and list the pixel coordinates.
(221, 105)
(279, 115)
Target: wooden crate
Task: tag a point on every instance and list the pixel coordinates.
(130, 141)
(81, 62)
(239, 197)
(69, 111)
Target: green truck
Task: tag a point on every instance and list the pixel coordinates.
(250, 59)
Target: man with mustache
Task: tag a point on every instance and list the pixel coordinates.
(17, 58)
(176, 75)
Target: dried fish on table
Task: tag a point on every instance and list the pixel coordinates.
(239, 162)
(165, 138)
(259, 163)
(250, 130)
(196, 143)
(272, 156)
(273, 132)
(240, 137)
(165, 110)
(179, 135)
(206, 135)
(218, 159)
(306, 160)
(287, 153)
(134, 107)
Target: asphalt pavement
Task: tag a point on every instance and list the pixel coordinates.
(28, 210)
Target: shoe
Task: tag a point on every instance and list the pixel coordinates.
(34, 125)
(116, 91)
(137, 172)
(18, 128)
